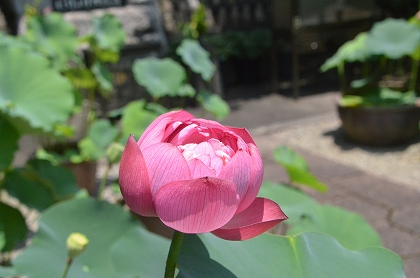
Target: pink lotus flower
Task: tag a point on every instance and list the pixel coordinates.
(197, 176)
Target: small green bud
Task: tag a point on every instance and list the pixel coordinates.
(114, 152)
(76, 244)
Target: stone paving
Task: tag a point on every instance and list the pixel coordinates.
(393, 209)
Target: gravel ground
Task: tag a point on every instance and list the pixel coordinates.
(323, 136)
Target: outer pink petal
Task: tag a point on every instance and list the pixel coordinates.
(196, 206)
(156, 130)
(260, 216)
(199, 169)
(238, 170)
(243, 133)
(165, 164)
(134, 180)
(257, 174)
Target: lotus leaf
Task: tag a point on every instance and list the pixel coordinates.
(160, 77)
(303, 256)
(393, 38)
(351, 51)
(32, 92)
(118, 245)
(197, 58)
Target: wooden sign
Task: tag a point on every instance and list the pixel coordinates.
(85, 5)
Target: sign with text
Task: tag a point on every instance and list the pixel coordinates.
(85, 5)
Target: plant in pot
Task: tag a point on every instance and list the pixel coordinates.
(379, 103)
(82, 60)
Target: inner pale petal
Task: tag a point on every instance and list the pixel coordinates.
(213, 153)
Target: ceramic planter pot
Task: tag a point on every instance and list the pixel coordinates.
(380, 126)
(85, 174)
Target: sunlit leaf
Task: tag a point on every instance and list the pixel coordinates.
(118, 245)
(213, 104)
(160, 77)
(108, 32)
(350, 229)
(7, 271)
(102, 132)
(297, 168)
(351, 51)
(197, 58)
(53, 36)
(393, 38)
(136, 119)
(294, 203)
(286, 156)
(303, 256)
(32, 92)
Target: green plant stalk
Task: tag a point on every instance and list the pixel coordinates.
(414, 74)
(103, 182)
(66, 269)
(173, 254)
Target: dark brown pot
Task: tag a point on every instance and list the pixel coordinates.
(380, 126)
(85, 173)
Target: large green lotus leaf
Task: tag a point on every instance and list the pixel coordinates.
(31, 91)
(351, 51)
(213, 104)
(39, 184)
(7, 271)
(303, 256)
(305, 214)
(108, 32)
(393, 38)
(135, 119)
(118, 247)
(160, 77)
(139, 253)
(197, 58)
(19, 41)
(9, 143)
(350, 229)
(297, 168)
(294, 203)
(53, 36)
(13, 225)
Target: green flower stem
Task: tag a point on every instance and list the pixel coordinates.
(103, 182)
(66, 270)
(173, 254)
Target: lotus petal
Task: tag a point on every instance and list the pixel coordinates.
(165, 164)
(260, 216)
(197, 206)
(134, 180)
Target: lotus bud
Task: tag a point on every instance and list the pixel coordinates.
(76, 244)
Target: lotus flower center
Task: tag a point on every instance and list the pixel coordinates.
(213, 153)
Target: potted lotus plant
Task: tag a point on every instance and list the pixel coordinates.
(378, 73)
